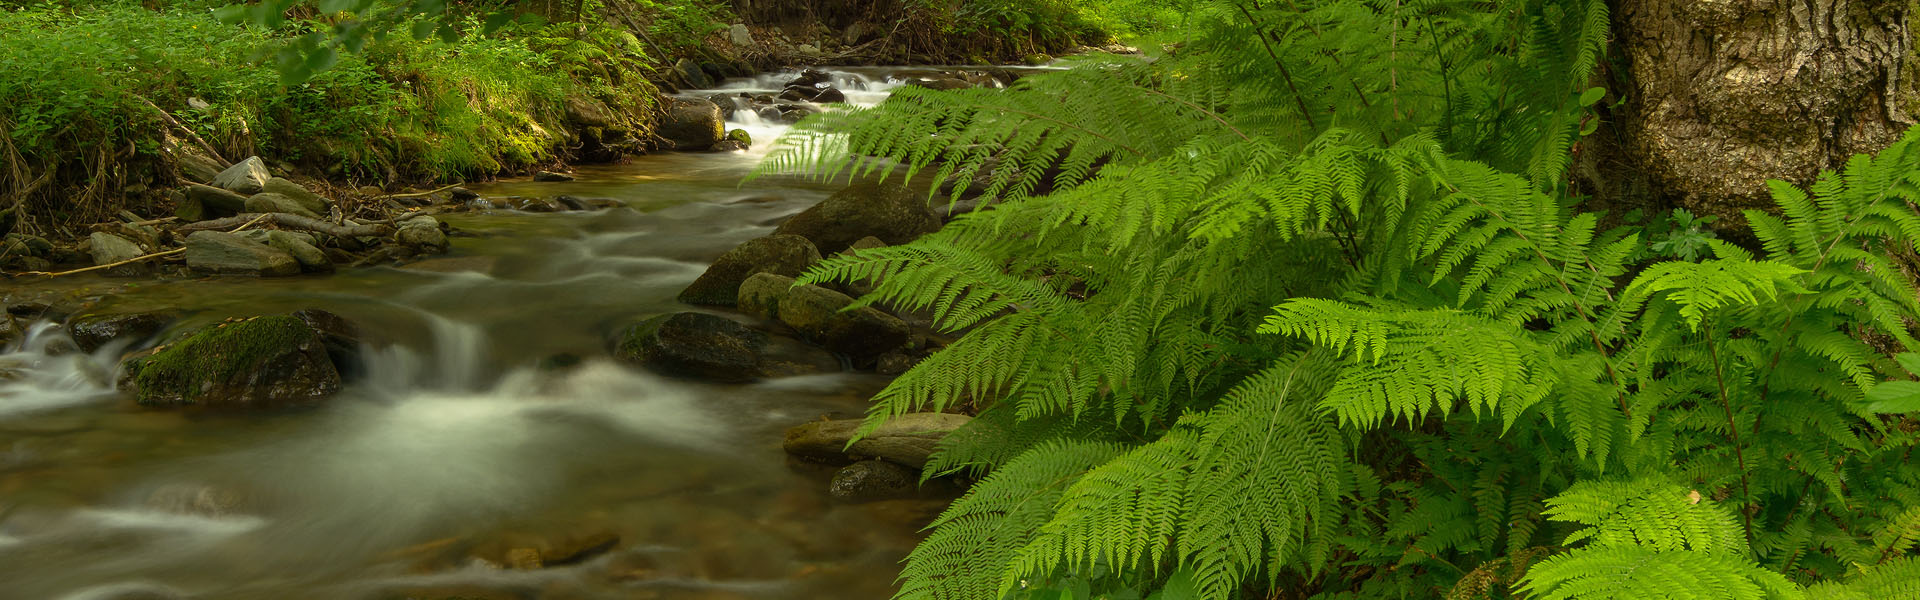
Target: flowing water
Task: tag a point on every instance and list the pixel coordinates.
(490, 420)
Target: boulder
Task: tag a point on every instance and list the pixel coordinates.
(692, 124)
(195, 164)
(247, 177)
(303, 250)
(781, 254)
(422, 232)
(107, 249)
(788, 357)
(1037, 60)
(314, 203)
(222, 253)
(873, 480)
(739, 36)
(820, 315)
(269, 202)
(888, 212)
(216, 202)
(462, 194)
(741, 135)
(588, 112)
(91, 332)
(728, 145)
(341, 337)
(905, 439)
(830, 96)
(760, 294)
(811, 78)
(551, 176)
(266, 362)
(692, 75)
(695, 345)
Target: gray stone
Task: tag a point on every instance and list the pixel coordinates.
(787, 255)
(862, 334)
(107, 249)
(693, 124)
(905, 439)
(20, 244)
(807, 49)
(551, 176)
(216, 202)
(224, 253)
(248, 177)
(268, 202)
(422, 232)
(739, 35)
(196, 165)
(314, 203)
(760, 294)
(890, 213)
(301, 247)
(873, 480)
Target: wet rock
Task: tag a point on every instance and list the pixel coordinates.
(215, 202)
(222, 253)
(536, 205)
(895, 363)
(862, 333)
(201, 500)
(695, 345)
(728, 145)
(313, 203)
(20, 244)
(341, 337)
(906, 439)
(941, 83)
(1037, 60)
(551, 176)
(570, 203)
(692, 124)
(888, 212)
(247, 177)
(787, 357)
(107, 249)
(462, 194)
(873, 480)
(760, 294)
(267, 362)
(269, 202)
(787, 255)
(91, 332)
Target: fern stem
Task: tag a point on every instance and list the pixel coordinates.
(1733, 431)
(1298, 98)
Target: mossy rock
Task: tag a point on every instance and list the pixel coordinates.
(267, 362)
(741, 135)
(693, 345)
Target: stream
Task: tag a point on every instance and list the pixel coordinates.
(491, 419)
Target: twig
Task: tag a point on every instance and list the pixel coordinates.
(107, 266)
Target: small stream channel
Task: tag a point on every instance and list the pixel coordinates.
(468, 438)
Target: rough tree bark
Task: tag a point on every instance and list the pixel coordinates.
(1722, 95)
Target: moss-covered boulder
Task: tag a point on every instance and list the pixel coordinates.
(266, 362)
(787, 255)
(822, 315)
(692, 124)
(695, 345)
(888, 212)
(90, 332)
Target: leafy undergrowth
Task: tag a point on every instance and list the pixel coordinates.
(80, 131)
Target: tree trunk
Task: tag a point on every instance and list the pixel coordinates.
(1722, 95)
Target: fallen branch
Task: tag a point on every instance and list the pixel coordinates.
(106, 266)
(183, 129)
(417, 194)
(291, 221)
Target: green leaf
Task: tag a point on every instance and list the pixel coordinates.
(1909, 361)
(233, 14)
(1592, 95)
(423, 29)
(1894, 397)
(1590, 126)
(497, 20)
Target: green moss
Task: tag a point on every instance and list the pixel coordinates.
(740, 135)
(213, 356)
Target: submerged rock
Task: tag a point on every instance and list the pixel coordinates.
(266, 362)
(223, 253)
(696, 345)
(905, 439)
(874, 480)
(551, 176)
(888, 212)
(787, 255)
(91, 332)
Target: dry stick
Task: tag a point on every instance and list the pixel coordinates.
(138, 258)
(290, 221)
(183, 129)
(417, 194)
